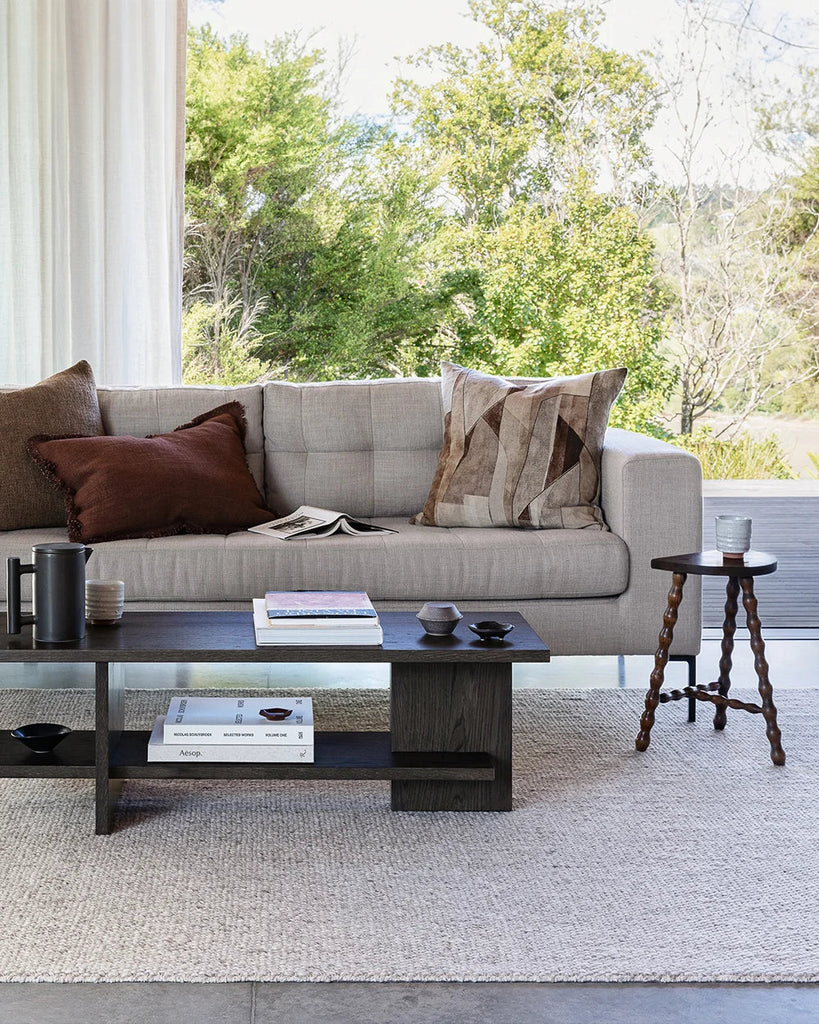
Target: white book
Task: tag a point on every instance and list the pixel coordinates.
(275, 720)
(330, 637)
(309, 521)
(286, 753)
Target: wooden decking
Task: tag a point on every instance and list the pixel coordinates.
(785, 517)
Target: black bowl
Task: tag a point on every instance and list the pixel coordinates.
(41, 737)
(491, 631)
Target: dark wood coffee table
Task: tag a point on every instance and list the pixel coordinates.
(450, 742)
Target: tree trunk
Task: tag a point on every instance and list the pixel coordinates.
(686, 417)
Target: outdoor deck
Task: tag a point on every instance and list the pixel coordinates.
(785, 517)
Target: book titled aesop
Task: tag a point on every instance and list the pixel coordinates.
(263, 753)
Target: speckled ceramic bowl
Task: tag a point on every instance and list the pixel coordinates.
(439, 618)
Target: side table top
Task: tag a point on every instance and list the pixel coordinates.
(714, 563)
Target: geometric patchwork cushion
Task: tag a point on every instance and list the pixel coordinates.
(524, 455)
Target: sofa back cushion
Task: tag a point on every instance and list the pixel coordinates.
(369, 448)
(158, 410)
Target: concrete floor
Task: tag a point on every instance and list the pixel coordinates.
(343, 1003)
(793, 657)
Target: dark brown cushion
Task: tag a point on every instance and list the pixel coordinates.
(63, 404)
(193, 480)
(525, 455)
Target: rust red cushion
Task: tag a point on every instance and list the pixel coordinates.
(192, 480)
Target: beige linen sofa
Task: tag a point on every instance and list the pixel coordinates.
(370, 448)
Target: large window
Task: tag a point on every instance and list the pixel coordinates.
(530, 188)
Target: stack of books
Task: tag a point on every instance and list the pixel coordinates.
(316, 617)
(234, 729)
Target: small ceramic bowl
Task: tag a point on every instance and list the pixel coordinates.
(41, 737)
(491, 631)
(439, 618)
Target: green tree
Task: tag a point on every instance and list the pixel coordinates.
(494, 232)
(305, 232)
(518, 117)
(558, 277)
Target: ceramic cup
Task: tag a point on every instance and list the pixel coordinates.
(439, 617)
(104, 601)
(733, 535)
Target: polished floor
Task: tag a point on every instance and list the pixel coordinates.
(343, 1003)
(793, 657)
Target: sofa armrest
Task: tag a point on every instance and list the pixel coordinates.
(651, 495)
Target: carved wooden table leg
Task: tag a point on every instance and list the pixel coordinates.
(761, 667)
(729, 627)
(660, 661)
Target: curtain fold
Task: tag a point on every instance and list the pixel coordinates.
(91, 188)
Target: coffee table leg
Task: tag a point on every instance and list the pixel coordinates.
(761, 666)
(110, 688)
(729, 627)
(464, 707)
(660, 660)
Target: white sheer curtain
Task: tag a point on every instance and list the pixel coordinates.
(92, 111)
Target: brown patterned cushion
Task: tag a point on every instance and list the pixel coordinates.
(193, 480)
(521, 454)
(65, 403)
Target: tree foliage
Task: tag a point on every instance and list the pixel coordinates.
(494, 232)
(519, 128)
(305, 233)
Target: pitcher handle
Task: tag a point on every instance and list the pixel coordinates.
(14, 619)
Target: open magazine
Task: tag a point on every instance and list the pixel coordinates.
(308, 521)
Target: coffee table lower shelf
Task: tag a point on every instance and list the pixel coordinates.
(338, 755)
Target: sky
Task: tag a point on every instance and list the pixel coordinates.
(384, 33)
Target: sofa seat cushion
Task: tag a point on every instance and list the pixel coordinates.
(417, 563)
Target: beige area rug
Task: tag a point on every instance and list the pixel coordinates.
(694, 861)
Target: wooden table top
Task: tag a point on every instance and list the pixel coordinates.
(209, 636)
(714, 563)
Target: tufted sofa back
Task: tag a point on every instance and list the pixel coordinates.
(140, 411)
(369, 448)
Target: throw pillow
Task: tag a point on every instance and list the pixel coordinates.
(65, 403)
(524, 455)
(193, 480)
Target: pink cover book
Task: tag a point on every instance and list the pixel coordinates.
(341, 604)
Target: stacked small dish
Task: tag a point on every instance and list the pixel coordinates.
(104, 601)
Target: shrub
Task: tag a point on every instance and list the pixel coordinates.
(740, 458)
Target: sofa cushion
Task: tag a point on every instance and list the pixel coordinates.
(65, 403)
(525, 455)
(415, 564)
(194, 480)
(141, 411)
(364, 447)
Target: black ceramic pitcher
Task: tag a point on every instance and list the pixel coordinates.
(58, 592)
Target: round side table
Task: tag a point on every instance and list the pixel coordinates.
(739, 573)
